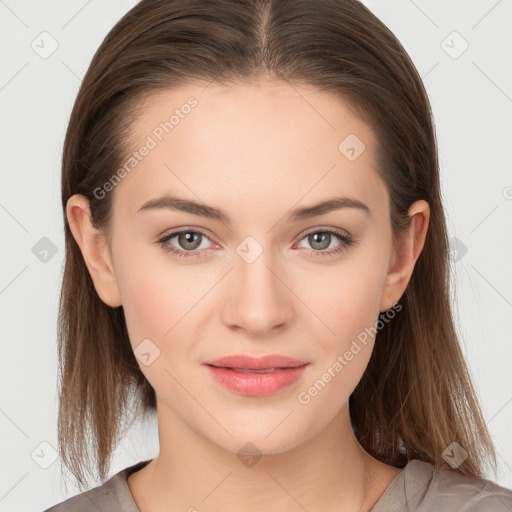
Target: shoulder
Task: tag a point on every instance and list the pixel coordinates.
(448, 490)
(470, 494)
(98, 498)
(112, 496)
(102, 497)
(420, 487)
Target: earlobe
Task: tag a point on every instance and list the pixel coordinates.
(94, 248)
(406, 252)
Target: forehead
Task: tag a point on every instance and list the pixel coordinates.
(259, 142)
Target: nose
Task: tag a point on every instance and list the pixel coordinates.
(259, 300)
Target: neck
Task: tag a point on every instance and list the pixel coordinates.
(330, 471)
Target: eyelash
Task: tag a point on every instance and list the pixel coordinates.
(346, 243)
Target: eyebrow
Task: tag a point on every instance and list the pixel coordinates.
(203, 210)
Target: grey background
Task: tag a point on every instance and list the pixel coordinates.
(471, 96)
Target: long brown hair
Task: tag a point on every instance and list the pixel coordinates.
(416, 396)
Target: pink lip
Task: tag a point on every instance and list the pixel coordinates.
(287, 371)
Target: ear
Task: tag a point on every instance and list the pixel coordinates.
(405, 253)
(95, 249)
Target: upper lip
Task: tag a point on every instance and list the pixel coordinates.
(256, 363)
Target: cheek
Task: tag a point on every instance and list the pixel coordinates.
(344, 310)
(348, 305)
(344, 299)
(154, 302)
(151, 296)
(157, 307)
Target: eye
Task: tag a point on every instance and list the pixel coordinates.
(190, 241)
(320, 240)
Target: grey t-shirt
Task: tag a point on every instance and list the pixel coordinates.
(419, 487)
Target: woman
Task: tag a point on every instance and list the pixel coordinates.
(256, 250)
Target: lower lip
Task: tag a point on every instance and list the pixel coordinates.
(257, 384)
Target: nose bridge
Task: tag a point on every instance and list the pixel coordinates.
(258, 301)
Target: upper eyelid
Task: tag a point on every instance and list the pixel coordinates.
(336, 231)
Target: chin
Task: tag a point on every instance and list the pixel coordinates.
(257, 440)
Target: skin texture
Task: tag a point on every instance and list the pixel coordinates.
(255, 151)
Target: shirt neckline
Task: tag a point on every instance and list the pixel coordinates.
(127, 500)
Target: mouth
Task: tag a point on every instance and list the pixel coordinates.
(251, 376)
(267, 363)
(246, 370)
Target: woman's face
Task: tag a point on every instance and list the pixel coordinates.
(263, 279)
